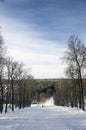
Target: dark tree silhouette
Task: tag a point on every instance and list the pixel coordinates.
(76, 59)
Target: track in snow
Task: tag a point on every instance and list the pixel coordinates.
(46, 118)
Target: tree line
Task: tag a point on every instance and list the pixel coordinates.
(19, 89)
(17, 86)
(73, 91)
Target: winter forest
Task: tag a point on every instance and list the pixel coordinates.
(19, 89)
(52, 103)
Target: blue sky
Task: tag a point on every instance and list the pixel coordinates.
(36, 32)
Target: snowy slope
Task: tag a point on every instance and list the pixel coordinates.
(44, 118)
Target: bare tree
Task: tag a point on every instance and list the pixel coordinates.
(76, 59)
(8, 83)
(17, 88)
(12, 67)
(2, 59)
(24, 87)
(20, 83)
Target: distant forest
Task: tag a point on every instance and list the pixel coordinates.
(18, 88)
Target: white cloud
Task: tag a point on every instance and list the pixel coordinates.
(24, 44)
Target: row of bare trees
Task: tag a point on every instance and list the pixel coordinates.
(16, 84)
(76, 59)
(2, 63)
(18, 89)
(71, 91)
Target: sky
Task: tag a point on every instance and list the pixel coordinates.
(36, 32)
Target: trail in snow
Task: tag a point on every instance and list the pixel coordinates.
(46, 118)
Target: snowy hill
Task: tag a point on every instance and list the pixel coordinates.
(44, 118)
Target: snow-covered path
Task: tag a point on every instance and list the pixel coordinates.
(46, 118)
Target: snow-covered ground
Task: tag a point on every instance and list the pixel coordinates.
(48, 117)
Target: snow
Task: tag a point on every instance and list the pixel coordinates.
(49, 102)
(49, 117)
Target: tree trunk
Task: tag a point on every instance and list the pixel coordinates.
(20, 98)
(12, 84)
(81, 87)
(82, 95)
(1, 95)
(24, 104)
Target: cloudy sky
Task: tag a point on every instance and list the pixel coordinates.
(37, 32)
